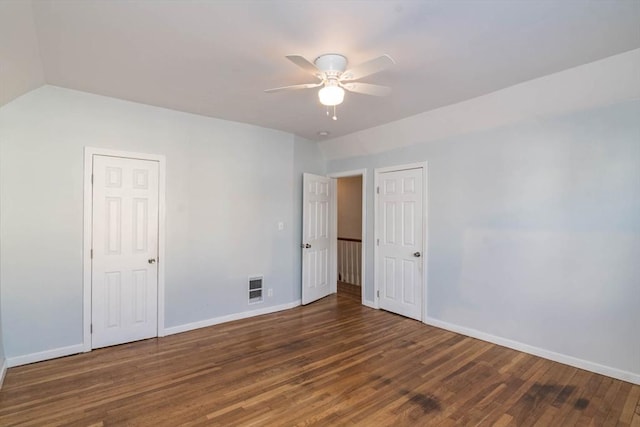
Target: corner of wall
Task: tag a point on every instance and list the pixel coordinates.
(23, 68)
(3, 359)
(307, 156)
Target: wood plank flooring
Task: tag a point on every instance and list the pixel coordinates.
(334, 362)
(349, 290)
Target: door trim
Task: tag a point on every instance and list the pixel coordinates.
(89, 152)
(334, 229)
(425, 245)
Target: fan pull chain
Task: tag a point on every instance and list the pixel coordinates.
(335, 116)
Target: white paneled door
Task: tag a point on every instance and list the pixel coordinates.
(124, 269)
(316, 242)
(400, 245)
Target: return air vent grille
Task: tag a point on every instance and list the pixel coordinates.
(255, 289)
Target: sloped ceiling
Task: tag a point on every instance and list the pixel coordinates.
(20, 65)
(215, 58)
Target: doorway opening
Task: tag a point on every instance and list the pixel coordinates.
(320, 239)
(349, 245)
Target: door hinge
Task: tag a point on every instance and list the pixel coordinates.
(91, 178)
(378, 293)
(91, 328)
(91, 253)
(377, 189)
(377, 242)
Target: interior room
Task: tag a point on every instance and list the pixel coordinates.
(334, 213)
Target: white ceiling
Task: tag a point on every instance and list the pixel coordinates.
(215, 58)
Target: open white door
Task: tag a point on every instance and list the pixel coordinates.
(316, 237)
(400, 241)
(124, 296)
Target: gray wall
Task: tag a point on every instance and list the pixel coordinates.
(534, 231)
(349, 207)
(228, 186)
(2, 356)
(2, 353)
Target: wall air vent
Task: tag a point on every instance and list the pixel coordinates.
(255, 289)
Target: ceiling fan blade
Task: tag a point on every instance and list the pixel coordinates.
(305, 64)
(367, 68)
(367, 89)
(294, 87)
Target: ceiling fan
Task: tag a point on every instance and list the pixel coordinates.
(331, 70)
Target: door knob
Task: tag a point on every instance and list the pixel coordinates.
(152, 261)
(305, 246)
(416, 254)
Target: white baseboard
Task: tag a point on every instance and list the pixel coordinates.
(45, 355)
(3, 371)
(229, 318)
(536, 351)
(369, 304)
(80, 348)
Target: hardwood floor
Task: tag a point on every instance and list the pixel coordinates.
(349, 290)
(333, 362)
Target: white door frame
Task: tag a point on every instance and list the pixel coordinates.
(425, 208)
(89, 152)
(334, 229)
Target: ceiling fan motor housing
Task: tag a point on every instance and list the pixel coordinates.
(331, 64)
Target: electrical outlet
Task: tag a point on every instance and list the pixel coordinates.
(270, 292)
(281, 226)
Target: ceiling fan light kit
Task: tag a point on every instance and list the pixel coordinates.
(334, 77)
(331, 95)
